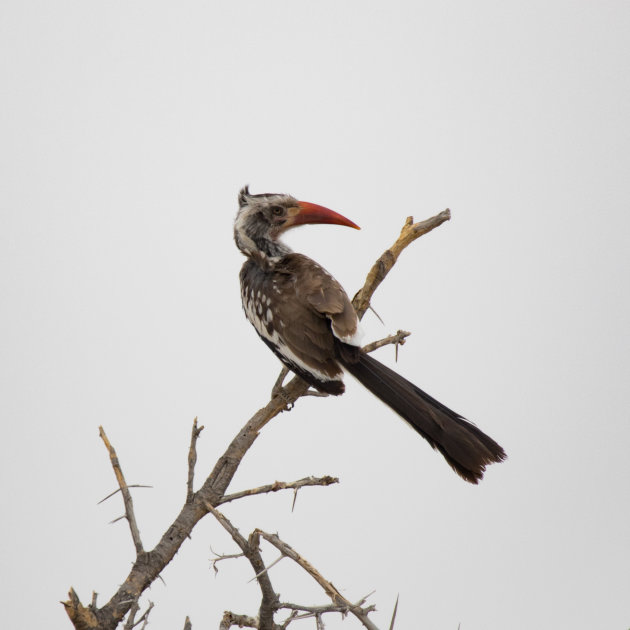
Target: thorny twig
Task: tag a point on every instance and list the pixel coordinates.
(250, 549)
(223, 556)
(409, 233)
(144, 619)
(280, 485)
(337, 598)
(312, 611)
(398, 340)
(192, 459)
(124, 488)
(131, 617)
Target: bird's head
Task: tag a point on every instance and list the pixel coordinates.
(261, 219)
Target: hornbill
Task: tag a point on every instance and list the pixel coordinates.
(303, 314)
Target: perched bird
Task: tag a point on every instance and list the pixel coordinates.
(303, 314)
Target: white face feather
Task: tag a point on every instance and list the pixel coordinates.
(255, 232)
(243, 241)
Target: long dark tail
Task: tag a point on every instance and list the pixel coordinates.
(467, 449)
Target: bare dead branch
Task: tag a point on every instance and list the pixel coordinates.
(409, 233)
(242, 621)
(280, 485)
(82, 618)
(330, 590)
(250, 549)
(148, 565)
(319, 610)
(131, 617)
(124, 488)
(192, 459)
(398, 340)
(223, 556)
(288, 620)
(144, 619)
(337, 598)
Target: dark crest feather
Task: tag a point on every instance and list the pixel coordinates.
(243, 195)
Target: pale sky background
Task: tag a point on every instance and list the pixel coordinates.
(127, 129)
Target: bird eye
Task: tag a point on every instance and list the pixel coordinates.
(277, 211)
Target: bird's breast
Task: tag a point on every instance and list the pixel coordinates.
(259, 292)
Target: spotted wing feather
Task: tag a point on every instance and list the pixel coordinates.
(298, 334)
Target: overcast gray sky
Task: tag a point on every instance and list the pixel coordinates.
(127, 129)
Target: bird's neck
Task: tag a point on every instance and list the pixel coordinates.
(260, 248)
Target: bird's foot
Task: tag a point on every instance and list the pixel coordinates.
(277, 389)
